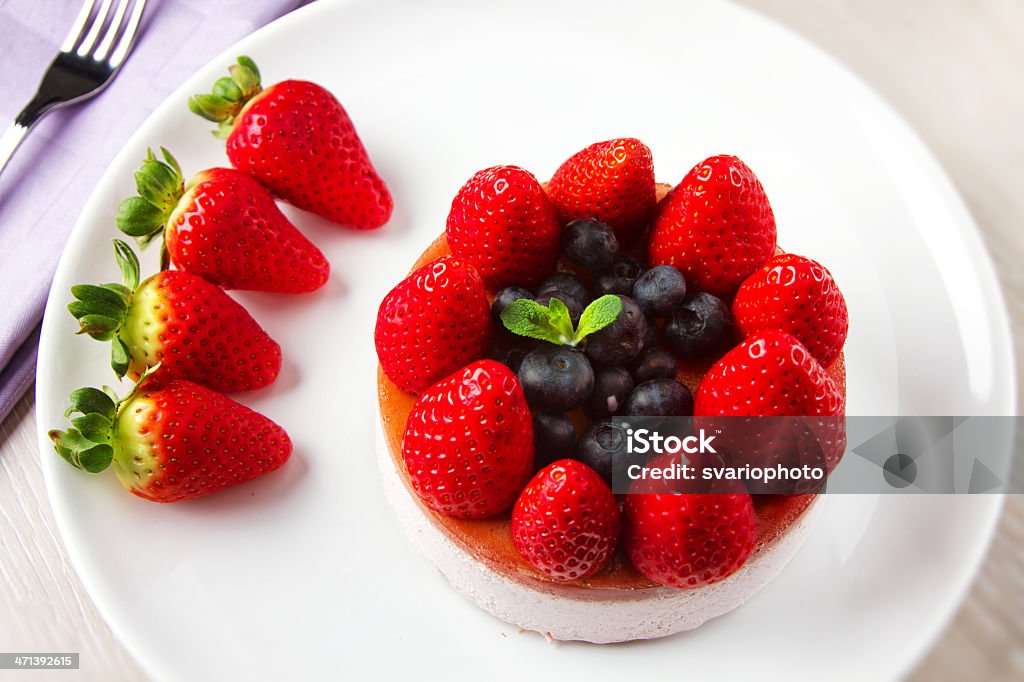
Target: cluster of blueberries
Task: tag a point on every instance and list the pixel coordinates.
(619, 370)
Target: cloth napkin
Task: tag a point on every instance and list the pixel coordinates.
(45, 185)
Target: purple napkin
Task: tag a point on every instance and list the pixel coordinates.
(45, 185)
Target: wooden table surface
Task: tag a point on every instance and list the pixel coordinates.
(953, 68)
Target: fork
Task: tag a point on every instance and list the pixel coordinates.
(90, 57)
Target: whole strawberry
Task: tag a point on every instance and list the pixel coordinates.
(566, 521)
(687, 539)
(716, 226)
(612, 181)
(502, 223)
(799, 296)
(222, 226)
(178, 320)
(170, 440)
(297, 139)
(468, 443)
(772, 375)
(432, 323)
(769, 374)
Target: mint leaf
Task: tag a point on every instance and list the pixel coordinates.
(553, 324)
(526, 317)
(561, 319)
(598, 315)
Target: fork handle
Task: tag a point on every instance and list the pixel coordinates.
(12, 137)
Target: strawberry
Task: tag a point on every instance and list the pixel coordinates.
(566, 521)
(716, 226)
(687, 539)
(468, 443)
(799, 296)
(502, 223)
(297, 139)
(433, 322)
(771, 374)
(178, 320)
(222, 226)
(612, 181)
(170, 439)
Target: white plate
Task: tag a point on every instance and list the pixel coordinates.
(304, 573)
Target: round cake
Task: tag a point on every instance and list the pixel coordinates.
(615, 603)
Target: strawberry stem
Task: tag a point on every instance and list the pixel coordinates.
(102, 309)
(89, 443)
(228, 96)
(160, 186)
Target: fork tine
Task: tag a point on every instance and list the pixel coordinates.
(112, 28)
(124, 44)
(79, 26)
(94, 31)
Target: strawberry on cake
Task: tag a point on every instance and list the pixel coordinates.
(543, 320)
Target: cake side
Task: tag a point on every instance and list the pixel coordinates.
(596, 615)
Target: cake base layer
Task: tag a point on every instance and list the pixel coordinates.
(598, 616)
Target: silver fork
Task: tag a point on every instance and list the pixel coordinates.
(90, 57)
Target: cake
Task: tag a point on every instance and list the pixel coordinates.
(614, 601)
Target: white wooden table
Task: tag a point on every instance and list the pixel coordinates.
(952, 67)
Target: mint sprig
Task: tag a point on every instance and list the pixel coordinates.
(552, 323)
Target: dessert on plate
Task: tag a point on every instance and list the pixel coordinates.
(545, 318)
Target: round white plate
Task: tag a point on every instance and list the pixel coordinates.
(304, 574)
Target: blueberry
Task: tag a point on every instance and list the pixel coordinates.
(660, 290)
(604, 448)
(502, 300)
(513, 358)
(612, 385)
(554, 438)
(556, 378)
(570, 301)
(622, 340)
(651, 337)
(655, 363)
(566, 283)
(590, 243)
(620, 279)
(660, 398)
(699, 327)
